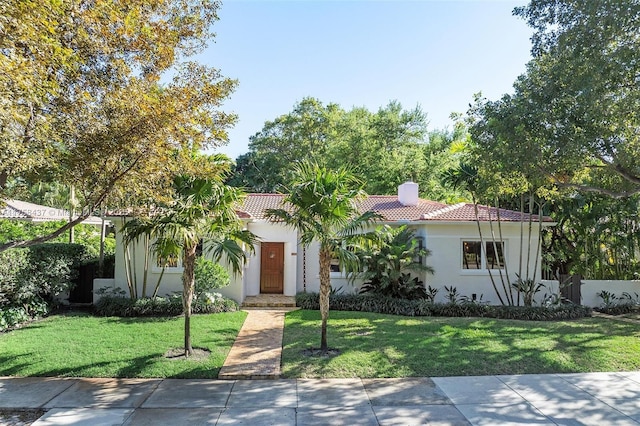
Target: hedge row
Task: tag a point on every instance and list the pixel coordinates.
(12, 316)
(620, 309)
(387, 305)
(30, 278)
(116, 306)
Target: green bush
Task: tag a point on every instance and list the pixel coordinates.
(30, 278)
(540, 313)
(108, 268)
(388, 305)
(460, 309)
(12, 316)
(209, 276)
(619, 309)
(53, 267)
(389, 262)
(119, 306)
(14, 265)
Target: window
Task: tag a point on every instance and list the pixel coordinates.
(335, 265)
(473, 257)
(420, 245)
(171, 261)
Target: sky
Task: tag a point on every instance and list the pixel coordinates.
(432, 54)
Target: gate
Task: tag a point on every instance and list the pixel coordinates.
(82, 291)
(570, 288)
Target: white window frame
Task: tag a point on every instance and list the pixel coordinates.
(483, 261)
(169, 269)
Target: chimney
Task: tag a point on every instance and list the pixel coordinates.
(408, 194)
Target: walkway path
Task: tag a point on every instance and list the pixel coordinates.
(257, 350)
(546, 399)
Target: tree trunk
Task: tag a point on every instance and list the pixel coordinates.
(325, 290)
(188, 286)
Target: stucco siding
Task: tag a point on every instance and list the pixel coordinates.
(590, 288)
(445, 243)
(277, 233)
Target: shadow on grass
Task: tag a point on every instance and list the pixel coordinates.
(126, 368)
(375, 345)
(116, 347)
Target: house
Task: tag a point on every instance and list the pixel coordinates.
(281, 265)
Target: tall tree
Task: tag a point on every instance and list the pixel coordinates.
(596, 236)
(304, 133)
(83, 101)
(324, 210)
(385, 148)
(573, 117)
(203, 211)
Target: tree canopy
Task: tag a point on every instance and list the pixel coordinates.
(99, 95)
(385, 148)
(573, 119)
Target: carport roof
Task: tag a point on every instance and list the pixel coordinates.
(23, 210)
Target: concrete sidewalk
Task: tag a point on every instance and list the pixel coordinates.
(577, 399)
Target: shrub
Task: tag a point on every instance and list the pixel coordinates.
(453, 296)
(389, 305)
(614, 305)
(13, 316)
(456, 309)
(14, 265)
(387, 265)
(30, 278)
(210, 275)
(53, 267)
(528, 288)
(119, 306)
(619, 309)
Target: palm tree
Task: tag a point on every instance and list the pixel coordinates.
(323, 209)
(389, 262)
(203, 211)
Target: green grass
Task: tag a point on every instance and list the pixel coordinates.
(78, 345)
(374, 345)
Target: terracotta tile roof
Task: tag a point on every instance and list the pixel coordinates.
(465, 212)
(254, 205)
(392, 210)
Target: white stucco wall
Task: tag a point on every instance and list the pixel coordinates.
(339, 281)
(445, 243)
(590, 289)
(171, 280)
(276, 233)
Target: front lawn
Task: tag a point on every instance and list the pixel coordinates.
(79, 345)
(375, 345)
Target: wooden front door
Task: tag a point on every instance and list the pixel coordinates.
(272, 268)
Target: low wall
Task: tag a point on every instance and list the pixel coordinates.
(99, 283)
(590, 288)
